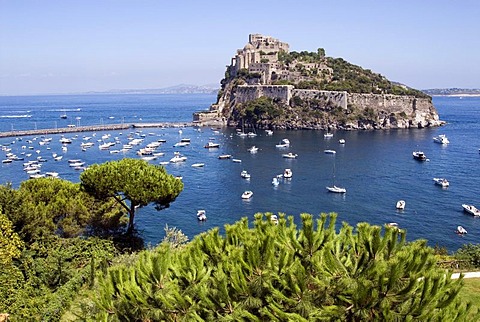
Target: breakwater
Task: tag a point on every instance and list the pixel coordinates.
(94, 128)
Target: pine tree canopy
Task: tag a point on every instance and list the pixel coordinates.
(282, 272)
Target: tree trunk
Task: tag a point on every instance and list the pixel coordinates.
(131, 214)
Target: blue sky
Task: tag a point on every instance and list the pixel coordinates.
(66, 46)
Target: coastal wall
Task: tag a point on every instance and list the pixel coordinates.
(329, 98)
(246, 93)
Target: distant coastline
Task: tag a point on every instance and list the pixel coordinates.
(454, 92)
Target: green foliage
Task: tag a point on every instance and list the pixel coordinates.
(10, 243)
(470, 254)
(281, 272)
(131, 180)
(262, 108)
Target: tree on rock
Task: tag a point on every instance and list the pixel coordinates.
(132, 180)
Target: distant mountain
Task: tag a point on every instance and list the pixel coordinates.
(452, 91)
(177, 89)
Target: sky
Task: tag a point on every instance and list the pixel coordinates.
(72, 46)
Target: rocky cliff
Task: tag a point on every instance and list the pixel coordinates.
(270, 88)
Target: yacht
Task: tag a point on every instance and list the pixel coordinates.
(244, 174)
(330, 151)
(287, 173)
(201, 215)
(210, 145)
(336, 189)
(285, 143)
(178, 158)
(471, 209)
(441, 182)
(401, 204)
(461, 230)
(419, 155)
(290, 155)
(442, 139)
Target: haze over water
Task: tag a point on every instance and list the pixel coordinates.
(376, 167)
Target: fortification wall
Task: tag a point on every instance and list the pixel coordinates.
(331, 98)
(246, 93)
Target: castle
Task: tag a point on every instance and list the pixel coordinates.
(263, 68)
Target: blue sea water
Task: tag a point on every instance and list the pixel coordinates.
(376, 167)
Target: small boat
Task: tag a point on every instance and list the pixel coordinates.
(52, 174)
(198, 165)
(178, 158)
(224, 156)
(253, 149)
(441, 182)
(400, 204)
(148, 158)
(181, 144)
(330, 151)
(392, 224)
(441, 139)
(287, 173)
(471, 209)
(7, 161)
(58, 158)
(201, 215)
(274, 219)
(336, 189)
(64, 140)
(74, 160)
(460, 230)
(328, 135)
(244, 174)
(211, 145)
(285, 143)
(290, 155)
(247, 194)
(341, 141)
(76, 164)
(275, 181)
(237, 160)
(269, 132)
(419, 155)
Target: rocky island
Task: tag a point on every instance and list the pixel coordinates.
(268, 87)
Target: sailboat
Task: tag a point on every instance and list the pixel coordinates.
(333, 187)
(242, 134)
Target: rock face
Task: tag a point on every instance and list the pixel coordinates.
(251, 77)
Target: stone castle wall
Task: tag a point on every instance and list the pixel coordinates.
(246, 93)
(331, 98)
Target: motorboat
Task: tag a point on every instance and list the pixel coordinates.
(460, 230)
(330, 151)
(419, 155)
(65, 140)
(244, 174)
(269, 132)
(178, 158)
(181, 144)
(52, 174)
(400, 204)
(211, 145)
(201, 215)
(237, 160)
(224, 156)
(274, 219)
(198, 165)
(285, 143)
(336, 189)
(328, 135)
(441, 182)
(287, 173)
(253, 149)
(290, 155)
(247, 194)
(441, 138)
(471, 209)
(341, 141)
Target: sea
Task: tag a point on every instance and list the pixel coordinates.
(376, 167)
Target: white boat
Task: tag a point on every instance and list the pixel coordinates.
(211, 145)
(287, 173)
(269, 132)
(148, 158)
(341, 141)
(247, 194)
(198, 165)
(330, 151)
(251, 134)
(471, 209)
(336, 189)
(244, 174)
(441, 138)
(253, 149)
(419, 155)
(201, 215)
(76, 164)
(64, 140)
(237, 160)
(441, 182)
(400, 204)
(290, 155)
(224, 156)
(52, 174)
(7, 161)
(275, 181)
(58, 158)
(181, 144)
(74, 160)
(328, 135)
(178, 158)
(460, 230)
(333, 187)
(285, 143)
(274, 219)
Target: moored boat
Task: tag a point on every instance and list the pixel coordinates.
(419, 155)
(247, 194)
(400, 204)
(290, 155)
(441, 182)
(201, 215)
(330, 151)
(471, 209)
(460, 230)
(287, 173)
(211, 145)
(244, 174)
(441, 138)
(336, 189)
